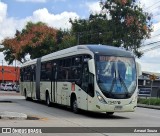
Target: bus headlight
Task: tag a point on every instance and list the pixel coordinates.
(100, 98)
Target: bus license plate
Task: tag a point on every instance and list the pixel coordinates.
(118, 107)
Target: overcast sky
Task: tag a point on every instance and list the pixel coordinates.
(14, 14)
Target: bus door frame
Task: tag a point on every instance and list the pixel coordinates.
(54, 82)
(84, 100)
(32, 86)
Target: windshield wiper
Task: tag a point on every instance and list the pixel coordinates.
(122, 82)
(113, 82)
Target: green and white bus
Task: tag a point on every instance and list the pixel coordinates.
(96, 78)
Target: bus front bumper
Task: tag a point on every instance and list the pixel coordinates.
(113, 108)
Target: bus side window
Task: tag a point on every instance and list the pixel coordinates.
(43, 72)
(77, 61)
(27, 74)
(60, 64)
(48, 70)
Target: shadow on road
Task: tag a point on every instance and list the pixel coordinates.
(82, 112)
(102, 115)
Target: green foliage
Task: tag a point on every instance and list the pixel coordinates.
(9, 56)
(47, 46)
(152, 101)
(92, 30)
(65, 39)
(122, 24)
(37, 39)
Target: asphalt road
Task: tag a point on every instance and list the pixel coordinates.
(58, 116)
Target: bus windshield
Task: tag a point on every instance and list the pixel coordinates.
(116, 76)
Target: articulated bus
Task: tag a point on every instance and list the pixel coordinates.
(96, 78)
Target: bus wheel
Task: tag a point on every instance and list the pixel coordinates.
(48, 103)
(109, 113)
(75, 106)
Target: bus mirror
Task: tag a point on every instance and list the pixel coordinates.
(91, 66)
(138, 67)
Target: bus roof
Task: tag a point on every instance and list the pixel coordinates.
(107, 50)
(29, 62)
(95, 48)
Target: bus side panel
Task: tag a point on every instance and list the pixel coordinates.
(82, 98)
(44, 87)
(22, 88)
(64, 90)
(33, 88)
(26, 87)
(58, 92)
(63, 93)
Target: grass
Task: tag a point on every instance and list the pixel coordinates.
(152, 101)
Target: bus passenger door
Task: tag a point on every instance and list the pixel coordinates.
(84, 91)
(32, 83)
(54, 83)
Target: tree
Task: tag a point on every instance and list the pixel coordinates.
(36, 39)
(131, 23)
(88, 31)
(65, 39)
(122, 24)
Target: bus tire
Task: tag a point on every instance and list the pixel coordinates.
(48, 102)
(109, 113)
(75, 106)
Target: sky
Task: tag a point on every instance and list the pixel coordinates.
(14, 15)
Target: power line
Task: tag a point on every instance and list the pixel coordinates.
(152, 5)
(143, 46)
(150, 43)
(155, 35)
(150, 49)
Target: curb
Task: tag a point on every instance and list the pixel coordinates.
(148, 106)
(12, 115)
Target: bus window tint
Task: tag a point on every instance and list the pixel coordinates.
(76, 67)
(67, 62)
(46, 69)
(27, 73)
(77, 61)
(70, 68)
(116, 75)
(63, 70)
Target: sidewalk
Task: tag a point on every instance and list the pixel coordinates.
(148, 106)
(9, 93)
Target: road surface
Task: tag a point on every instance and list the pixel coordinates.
(58, 116)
